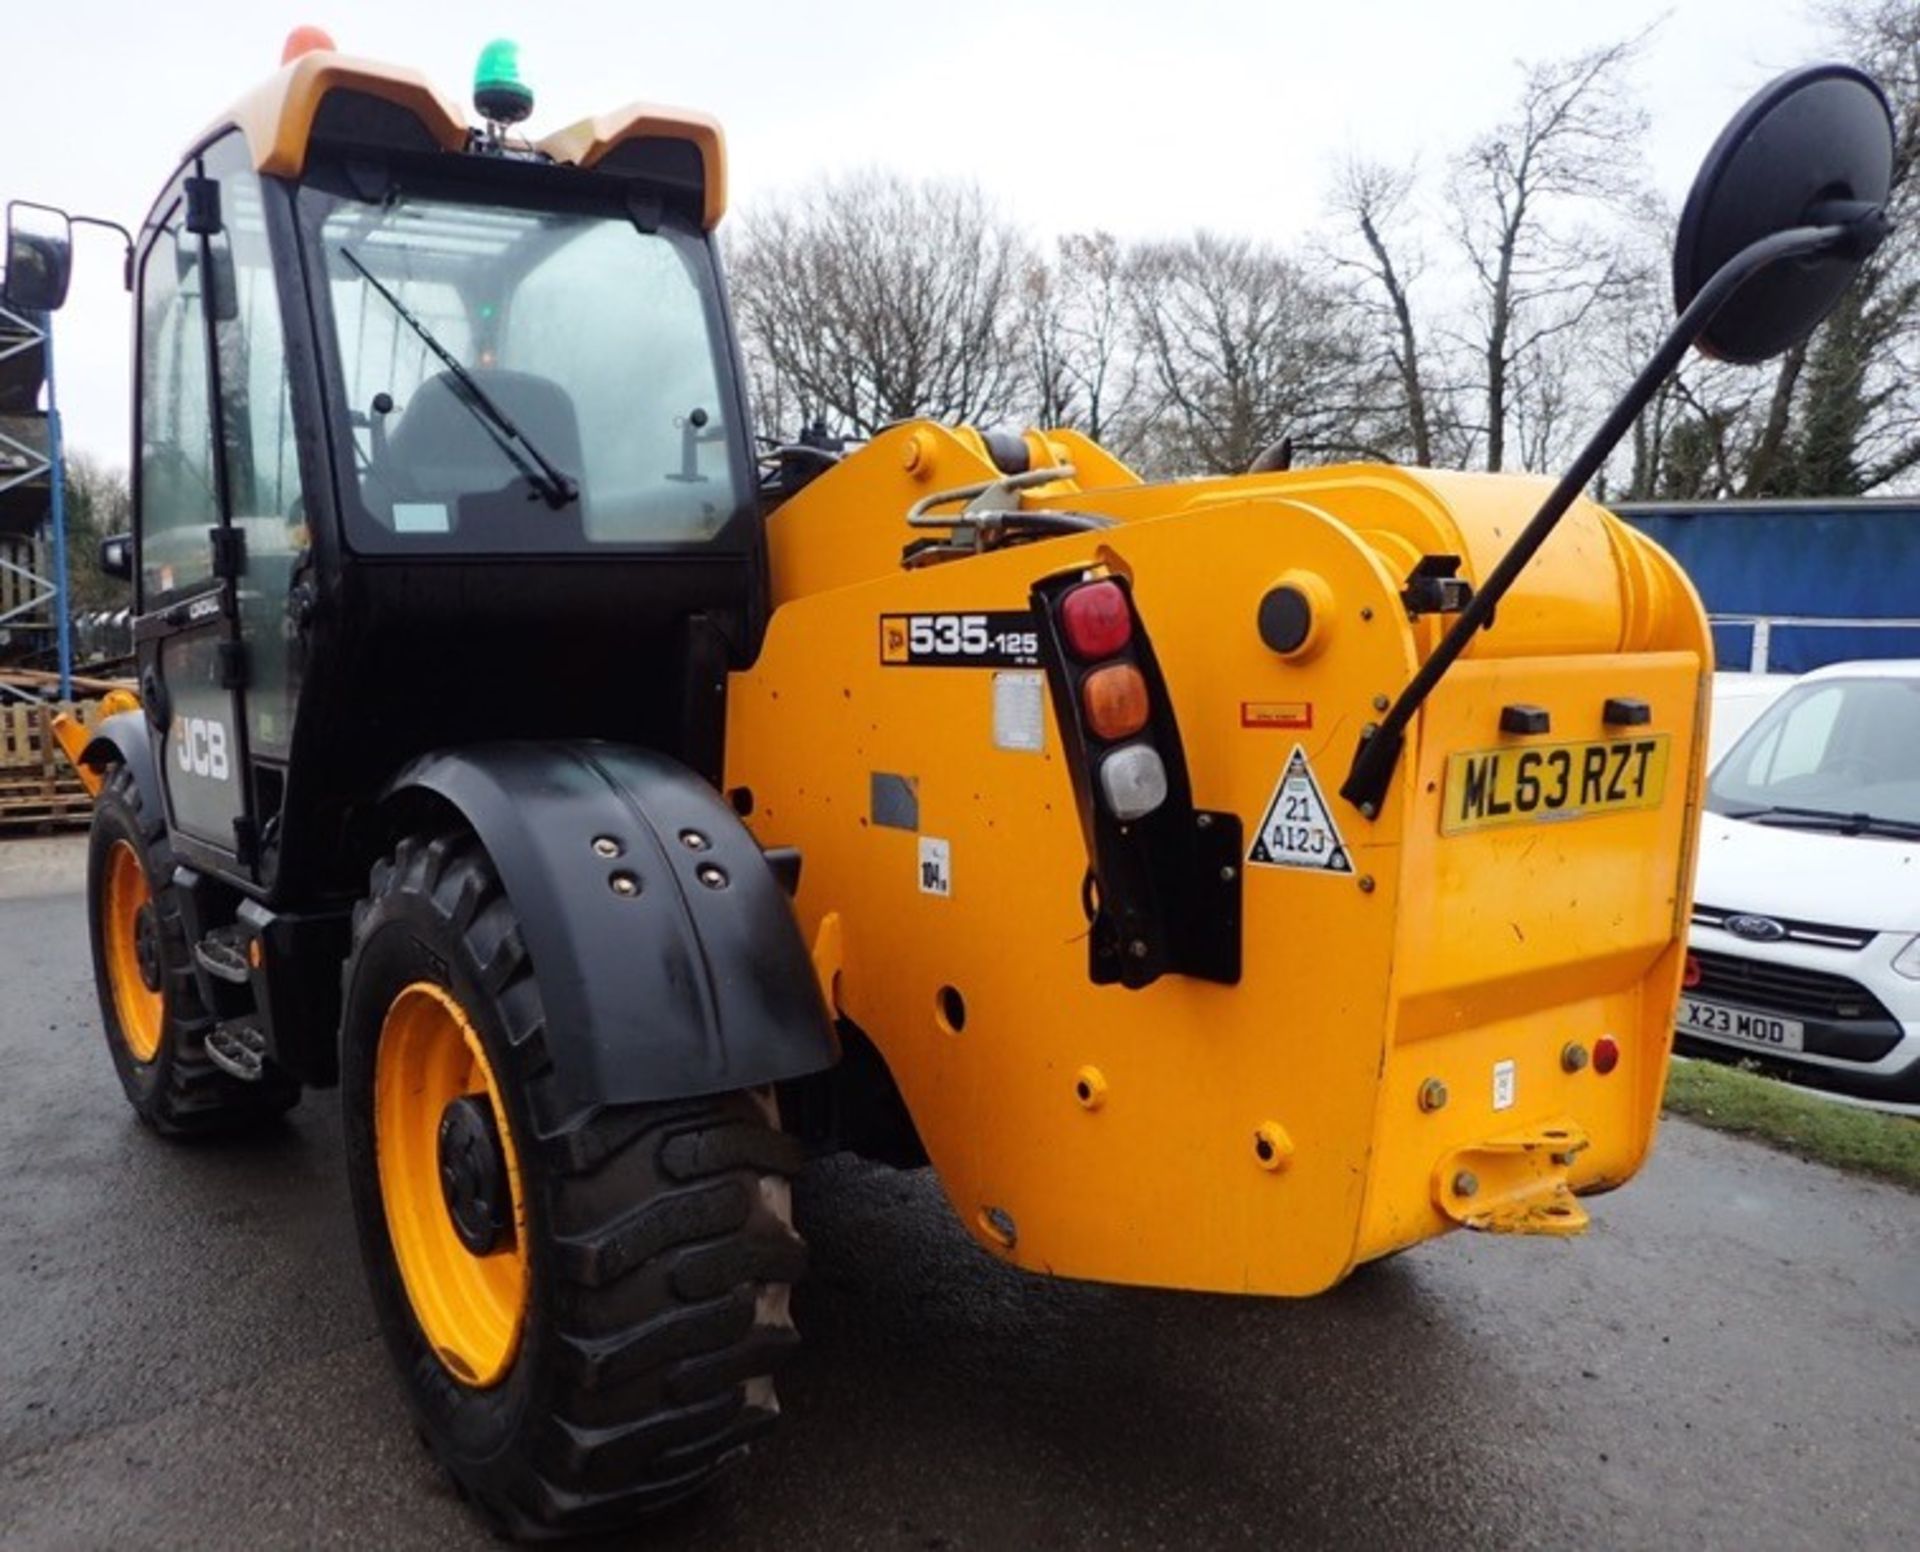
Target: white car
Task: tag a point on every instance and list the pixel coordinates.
(1738, 700)
(1806, 922)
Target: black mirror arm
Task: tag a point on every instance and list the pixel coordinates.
(1380, 744)
(126, 267)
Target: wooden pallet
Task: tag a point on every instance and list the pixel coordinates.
(39, 789)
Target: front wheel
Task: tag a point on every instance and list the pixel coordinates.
(586, 1305)
(143, 970)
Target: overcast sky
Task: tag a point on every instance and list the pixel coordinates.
(1142, 116)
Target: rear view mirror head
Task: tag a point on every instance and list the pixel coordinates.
(1812, 149)
(116, 556)
(39, 256)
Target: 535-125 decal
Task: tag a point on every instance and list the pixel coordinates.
(989, 638)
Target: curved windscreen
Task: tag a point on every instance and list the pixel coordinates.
(520, 378)
(1839, 754)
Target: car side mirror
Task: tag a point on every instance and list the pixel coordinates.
(1812, 149)
(39, 256)
(116, 556)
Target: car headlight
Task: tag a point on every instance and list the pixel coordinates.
(1907, 961)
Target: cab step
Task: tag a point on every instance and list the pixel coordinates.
(223, 954)
(238, 1049)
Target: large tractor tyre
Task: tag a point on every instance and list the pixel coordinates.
(143, 969)
(586, 1306)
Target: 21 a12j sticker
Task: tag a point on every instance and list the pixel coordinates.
(1298, 831)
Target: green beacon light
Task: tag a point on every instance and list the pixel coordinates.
(498, 92)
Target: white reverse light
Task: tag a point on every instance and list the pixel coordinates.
(1134, 781)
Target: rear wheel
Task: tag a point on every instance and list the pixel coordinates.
(143, 970)
(586, 1304)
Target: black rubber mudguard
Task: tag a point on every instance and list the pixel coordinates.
(670, 967)
(126, 739)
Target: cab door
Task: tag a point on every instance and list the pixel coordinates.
(186, 625)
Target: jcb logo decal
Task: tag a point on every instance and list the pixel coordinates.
(987, 638)
(200, 746)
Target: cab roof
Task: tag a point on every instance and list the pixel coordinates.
(324, 94)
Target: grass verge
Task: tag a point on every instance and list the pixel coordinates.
(1866, 1142)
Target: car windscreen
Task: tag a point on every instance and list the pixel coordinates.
(1847, 748)
(515, 377)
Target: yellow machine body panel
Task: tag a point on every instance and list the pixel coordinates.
(1393, 1059)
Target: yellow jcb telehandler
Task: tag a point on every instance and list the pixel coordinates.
(1222, 884)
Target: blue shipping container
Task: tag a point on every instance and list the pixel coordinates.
(1794, 585)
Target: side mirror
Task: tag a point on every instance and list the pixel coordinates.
(116, 556)
(1813, 149)
(39, 256)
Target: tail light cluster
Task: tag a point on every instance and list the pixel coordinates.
(1115, 704)
(1164, 886)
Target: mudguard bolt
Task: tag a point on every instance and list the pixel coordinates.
(1138, 948)
(1366, 883)
(1369, 809)
(1433, 1095)
(1203, 821)
(693, 840)
(624, 884)
(1366, 614)
(1380, 703)
(1228, 874)
(1466, 1183)
(605, 846)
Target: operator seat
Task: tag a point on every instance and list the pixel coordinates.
(441, 450)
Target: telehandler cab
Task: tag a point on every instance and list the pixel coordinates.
(1222, 883)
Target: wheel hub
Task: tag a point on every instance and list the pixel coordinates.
(473, 1172)
(146, 946)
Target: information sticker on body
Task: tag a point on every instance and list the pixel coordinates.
(1536, 783)
(1298, 830)
(985, 638)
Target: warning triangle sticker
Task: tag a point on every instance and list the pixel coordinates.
(1299, 831)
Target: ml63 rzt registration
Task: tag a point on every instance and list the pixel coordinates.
(1534, 783)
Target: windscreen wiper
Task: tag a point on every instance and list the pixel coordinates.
(1827, 819)
(555, 487)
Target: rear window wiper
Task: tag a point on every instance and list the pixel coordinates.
(556, 488)
(1827, 819)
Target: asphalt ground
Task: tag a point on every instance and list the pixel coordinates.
(1730, 1358)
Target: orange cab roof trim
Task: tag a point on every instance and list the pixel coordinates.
(584, 144)
(277, 119)
(277, 115)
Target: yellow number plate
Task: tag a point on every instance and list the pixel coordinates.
(1536, 783)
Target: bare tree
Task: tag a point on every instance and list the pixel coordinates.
(1570, 148)
(1242, 346)
(1079, 329)
(1372, 202)
(874, 299)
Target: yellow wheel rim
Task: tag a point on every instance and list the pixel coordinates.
(469, 1306)
(131, 936)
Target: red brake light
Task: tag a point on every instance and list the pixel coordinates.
(1606, 1054)
(1096, 620)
